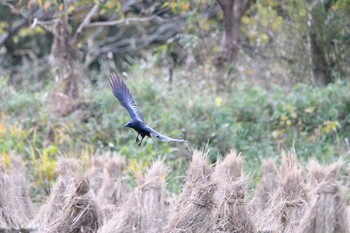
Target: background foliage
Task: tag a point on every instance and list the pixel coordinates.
(267, 100)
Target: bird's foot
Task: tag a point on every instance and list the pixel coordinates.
(137, 139)
(139, 143)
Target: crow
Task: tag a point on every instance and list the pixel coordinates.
(121, 91)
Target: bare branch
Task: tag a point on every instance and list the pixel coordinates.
(125, 21)
(85, 22)
(12, 30)
(160, 35)
(242, 6)
(13, 9)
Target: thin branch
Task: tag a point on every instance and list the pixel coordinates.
(160, 35)
(125, 21)
(12, 7)
(85, 22)
(242, 7)
(12, 30)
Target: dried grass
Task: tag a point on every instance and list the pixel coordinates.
(288, 204)
(232, 215)
(16, 208)
(198, 174)
(79, 213)
(197, 179)
(210, 201)
(95, 172)
(230, 168)
(18, 172)
(113, 190)
(197, 216)
(71, 207)
(9, 206)
(328, 211)
(68, 172)
(265, 189)
(145, 209)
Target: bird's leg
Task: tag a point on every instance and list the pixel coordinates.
(137, 138)
(142, 137)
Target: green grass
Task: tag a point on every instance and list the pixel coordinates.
(255, 121)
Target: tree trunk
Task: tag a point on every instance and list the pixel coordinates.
(321, 70)
(233, 11)
(66, 97)
(65, 59)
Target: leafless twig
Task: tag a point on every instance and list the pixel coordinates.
(85, 22)
(125, 21)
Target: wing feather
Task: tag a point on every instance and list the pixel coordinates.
(123, 94)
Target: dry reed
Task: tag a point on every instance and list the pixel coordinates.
(327, 212)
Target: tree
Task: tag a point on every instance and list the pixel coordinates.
(84, 31)
(233, 11)
(327, 38)
(321, 70)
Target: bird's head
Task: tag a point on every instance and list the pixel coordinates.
(128, 124)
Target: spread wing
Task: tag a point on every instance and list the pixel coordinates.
(121, 91)
(161, 136)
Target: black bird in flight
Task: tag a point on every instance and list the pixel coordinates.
(121, 91)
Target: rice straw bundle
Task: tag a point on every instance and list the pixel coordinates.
(231, 215)
(265, 189)
(144, 211)
(79, 214)
(288, 204)
(328, 211)
(113, 189)
(197, 215)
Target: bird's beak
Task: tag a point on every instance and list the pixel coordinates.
(126, 125)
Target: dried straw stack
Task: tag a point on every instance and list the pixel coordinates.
(288, 204)
(198, 175)
(232, 215)
(113, 190)
(193, 210)
(80, 213)
(71, 206)
(265, 189)
(196, 216)
(16, 208)
(145, 210)
(18, 172)
(327, 212)
(51, 210)
(95, 172)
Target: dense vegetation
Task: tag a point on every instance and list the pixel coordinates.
(254, 121)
